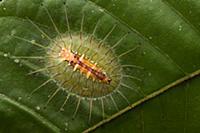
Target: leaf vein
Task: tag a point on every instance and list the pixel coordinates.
(164, 54)
(40, 118)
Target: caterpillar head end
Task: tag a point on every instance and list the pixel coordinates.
(107, 80)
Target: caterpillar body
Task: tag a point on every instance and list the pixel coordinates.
(85, 66)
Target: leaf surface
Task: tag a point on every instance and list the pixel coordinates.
(167, 33)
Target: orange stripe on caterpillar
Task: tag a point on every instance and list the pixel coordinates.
(85, 66)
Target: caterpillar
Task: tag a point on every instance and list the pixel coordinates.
(85, 67)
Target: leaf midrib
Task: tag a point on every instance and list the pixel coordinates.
(146, 98)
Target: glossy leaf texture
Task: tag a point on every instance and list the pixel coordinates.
(167, 32)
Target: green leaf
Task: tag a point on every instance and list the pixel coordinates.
(167, 32)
